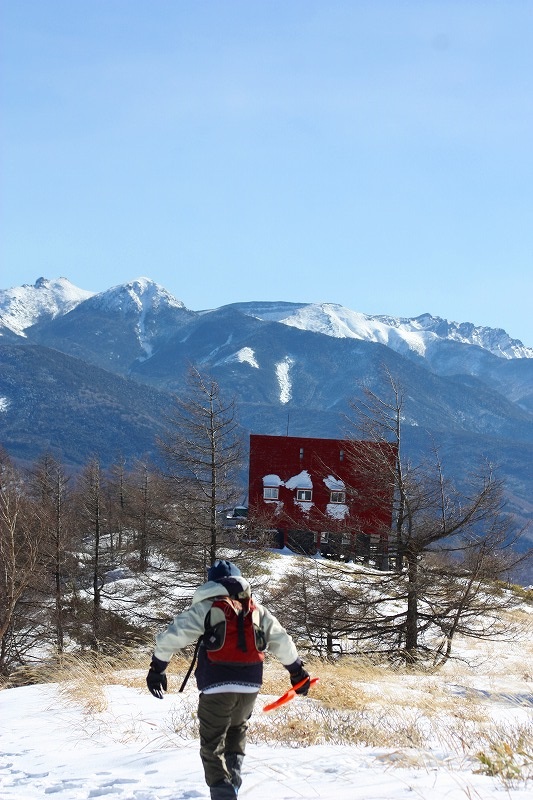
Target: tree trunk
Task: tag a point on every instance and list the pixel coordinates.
(411, 618)
(97, 598)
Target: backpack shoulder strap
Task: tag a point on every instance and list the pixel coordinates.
(191, 667)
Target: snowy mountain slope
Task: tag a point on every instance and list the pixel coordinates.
(24, 306)
(415, 334)
(288, 354)
(116, 328)
(139, 329)
(290, 368)
(286, 378)
(138, 321)
(141, 295)
(53, 403)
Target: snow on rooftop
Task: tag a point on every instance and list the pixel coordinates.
(337, 510)
(304, 506)
(334, 484)
(300, 481)
(272, 480)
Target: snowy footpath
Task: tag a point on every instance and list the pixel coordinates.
(128, 750)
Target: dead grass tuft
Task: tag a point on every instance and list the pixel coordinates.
(81, 678)
(292, 730)
(507, 755)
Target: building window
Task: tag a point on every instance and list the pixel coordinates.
(301, 453)
(338, 497)
(271, 493)
(324, 537)
(341, 455)
(306, 495)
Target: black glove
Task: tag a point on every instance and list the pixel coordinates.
(156, 680)
(298, 676)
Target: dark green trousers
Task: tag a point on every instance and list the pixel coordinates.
(223, 721)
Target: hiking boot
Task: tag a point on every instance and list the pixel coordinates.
(223, 791)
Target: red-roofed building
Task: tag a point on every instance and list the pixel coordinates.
(316, 498)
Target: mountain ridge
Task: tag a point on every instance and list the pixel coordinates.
(24, 307)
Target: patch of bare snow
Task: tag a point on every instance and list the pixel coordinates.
(245, 356)
(284, 380)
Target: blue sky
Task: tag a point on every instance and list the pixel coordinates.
(372, 153)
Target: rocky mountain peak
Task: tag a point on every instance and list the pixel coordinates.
(26, 305)
(137, 296)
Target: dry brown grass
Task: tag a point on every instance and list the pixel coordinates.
(299, 726)
(372, 704)
(81, 678)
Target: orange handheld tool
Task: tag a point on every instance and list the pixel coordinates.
(290, 695)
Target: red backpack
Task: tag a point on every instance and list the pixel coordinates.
(233, 635)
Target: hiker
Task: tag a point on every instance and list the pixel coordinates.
(229, 672)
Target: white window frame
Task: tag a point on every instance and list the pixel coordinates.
(333, 496)
(270, 492)
(304, 499)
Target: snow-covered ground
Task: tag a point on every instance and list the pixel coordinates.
(125, 744)
(130, 751)
(75, 740)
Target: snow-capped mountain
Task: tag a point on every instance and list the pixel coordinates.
(416, 334)
(24, 306)
(82, 372)
(146, 310)
(140, 296)
(112, 329)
